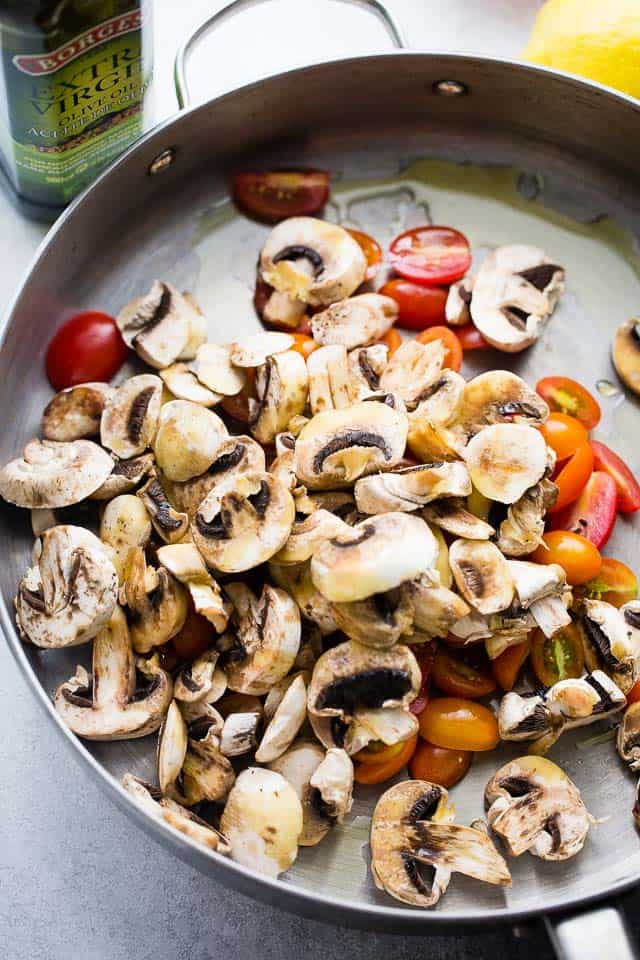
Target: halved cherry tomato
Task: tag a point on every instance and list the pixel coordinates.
(392, 340)
(452, 347)
(593, 514)
(508, 665)
(560, 657)
(419, 307)
(378, 752)
(616, 583)
(459, 724)
(577, 556)
(379, 772)
(455, 675)
(565, 395)
(628, 487)
(303, 344)
(434, 256)
(275, 195)
(425, 659)
(572, 477)
(470, 338)
(634, 694)
(371, 249)
(564, 434)
(87, 347)
(439, 765)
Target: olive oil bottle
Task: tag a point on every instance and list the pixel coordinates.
(74, 77)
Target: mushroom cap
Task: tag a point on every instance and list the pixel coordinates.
(185, 563)
(626, 353)
(355, 321)
(365, 367)
(456, 308)
(125, 524)
(374, 556)
(409, 488)
(297, 765)
(505, 460)
(610, 642)
(160, 326)
(191, 767)
(188, 439)
(481, 574)
(378, 621)
(413, 370)
(281, 385)
(235, 456)
(500, 396)
(436, 609)
(130, 417)
(75, 413)
(50, 474)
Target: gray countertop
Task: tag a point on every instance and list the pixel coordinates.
(77, 878)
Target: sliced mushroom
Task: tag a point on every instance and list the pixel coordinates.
(285, 724)
(281, 386)
(296, 580)
(386, 725)
(471, 628)
(542, 589)
(191, 767)
(610, 642)
(505, 460)
(183, 561)
(215, 371)
(626, 353)
(356, 321)
(68, 596)
(75, 413)
(333, 782)
(235, 457)
(413, 369)
(409, 488)
(482, 575)
(160, 325)
(500, 396)
(125, 698)
(522, 529)
(434, 430)
(415, 847)
(263, 821)
(308, 534)
(203, 708)
(254, 351)
(188, 439)
(125, 524)
(451, 515)
(628, 741)
(534, 807)
(374, 556)
(456, 309)
(125, 476)
(157, 603)
(297, 766)
(436, 609)
(182, 382)
(243, 715)
(365, 366)
(195, 681)
(167, 522)
(50, 475)
(378, 621)
(243, 522)
(312, 261)
(329, 379)
(130, 417)
(508, 628)
(280, 310)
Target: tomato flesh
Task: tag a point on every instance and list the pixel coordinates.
(276, 195)
(459, 724)
(565, 395)
(470, 338)
(456, 676)
(628, 487)
(634, 694)
(452, 347)
(572, 477)
(564, 434)
(386, 768)
(419, 307)
(508, 665)
(593, 514)
(616, 583)
(578, 557)
(87, 347)
(303, 344)
(392, 340)
(560, 657)
(425, 659)
(433, 256)
(372, 252)
(439, 765)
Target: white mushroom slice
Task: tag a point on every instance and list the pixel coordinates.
(610, 642)
(185, 563)
(203, 709)
(365, 366)
(413, 369)
(240, 731)
(451, 515)
(172, 749)
(263, 821)
(214, 369)
(281, 310)
(75, 413)
(266, 640)
(167, 522)
(182, 382)
(297, 766)
(384, 725)
(534, 806)
(282, 468)
(285, 723)
(191, 767)
(296, 580)
(188, 439)
(376, 555)
(472, 628)
(378, 621)
(412, 828)
(50, 475)
(313, 261)
(329, 379)
(333, 781)
(236, 456)
(522, 529)
(195, 681)
(243, 522)
(130, 417)
(307, 535)
(157, 603)
(159, 325)
(482, 575)
(434, 431)
(436, 609)
(70, 594)
(281, 386)
(505, 460)
(456, 308)
(338, 446)
(628, 740)
(510, 627)
(254, 351)
(197, 329)
(500, 396)
(125, 476)
(125, 524)
(542, 589)
(356, 321)
(124, 699)
(411, 487)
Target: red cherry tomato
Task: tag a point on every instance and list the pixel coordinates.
(439, 765)
(572, 477)
(87, 347)
(391, 763)
(616, 583)
(565, 395)
(593, 514)
(372, 252)
(419, 307)
(459, 724)
(457, 676)
(279, 194)
(508, 665)
(470, 338)
(628, 487)
(634, 694)
(433, 256)
(453, 350)
(577, 556)
(391, 339)
(425, 659)
(560, 657)
(564, 434)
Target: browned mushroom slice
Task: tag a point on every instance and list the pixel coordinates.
(482, 575)
(356, 321)
(522, 529)
(125, 524)
(157, 603)
(184, 562)
(161, 325)
(125, 476)
(168, 523)
(413, 369)
(51, 475)
(456, 309)
(243, 715)
(410, 488)
(626, 353)
(130, 417)
(329, 379)
(542, 590)
(75, 413)
(235, 456)
(188, 439)
(451, 515)
(295, 578)
(610, 642)
(281, 386)
(435, 608)
(366, 365)
(434, 430)
(191, 767)
(500, 396)
(379, 621)
(284, 725)
(307, 535)
(297, 766)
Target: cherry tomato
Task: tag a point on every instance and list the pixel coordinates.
(616, 583)
(196, 636)
(634, 694)
(577, 556)
(379, 772)
(87, 347)
(560, 657)
(439, 765)
(456, 676)
(508, 665)
(452, 347)
(425, 659)
(459, 724)
(470, 338)
(279, 194)
(392, 340)
(572, 477)
(564, 434)
(593, 514)
(419, 307)
(628, 487)
(565, 395)
(372, 252)
(433, 256)
(304, 345)
(378, 752)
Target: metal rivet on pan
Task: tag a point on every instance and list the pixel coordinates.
(450, 88)
(162, 161)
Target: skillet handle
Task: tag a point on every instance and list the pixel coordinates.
(591, 934)
(376, 7)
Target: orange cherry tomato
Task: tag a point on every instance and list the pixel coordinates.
(634, 694)
(455, 675)
(565, 395)
(378, 752)
(379, 772)
(560, 657)
(470, 338)
(459, 724)
(434, 256)
(439, 765)
(372, 252)
(453, 349)
(392, 340)
(279, 194)
(577, 556)
(508, 665)
(564, 434)
(572, 477)
(303, 344)
(616, 583)
(418, 307)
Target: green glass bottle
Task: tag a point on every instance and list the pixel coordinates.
(73, 82)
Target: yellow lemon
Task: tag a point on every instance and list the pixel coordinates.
(598, 39)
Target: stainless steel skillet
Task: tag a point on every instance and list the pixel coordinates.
(162, 210)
